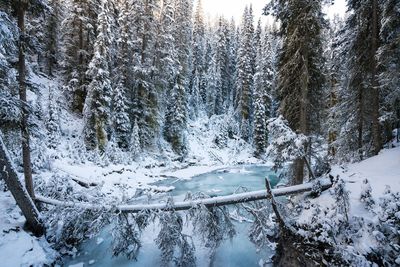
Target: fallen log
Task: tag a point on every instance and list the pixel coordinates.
(185, 205)
(19, 192)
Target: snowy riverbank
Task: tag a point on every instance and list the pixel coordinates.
(381, 171)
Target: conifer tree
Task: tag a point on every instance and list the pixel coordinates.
(78, 39)
(214, 92)
(389, 64)
(300, 75)
(232, 44)
(175, 119)
(52, 42)
(97, 109)
(145, 99)
(166, 55)
(263, 79)
(245, 70)
(359, 103)
(53, 127)
(198, 60)
(134, 142)
(222, 60)
(122, 125)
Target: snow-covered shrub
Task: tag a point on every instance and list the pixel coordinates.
(220, 129)
(113, 154)
(10, 109)
(77, 151)
(342, 199)
(174, 245)
(285, 145)
(387, 230)
(366, 196)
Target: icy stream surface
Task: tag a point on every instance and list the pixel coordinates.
(238, 252)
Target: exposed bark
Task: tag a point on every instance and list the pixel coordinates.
(26, 154)
(20, 194)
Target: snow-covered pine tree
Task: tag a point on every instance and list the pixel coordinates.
(146, 98)
(232, 44)
(222, 60)
(175, 118)
(122, 125)
(52, 52)
(9, 103)
(360, 102)
(335, 74)
(245, 69)
(134, 142)
(166, 55)
(198, 64)
(260, 114)
(214, 93)
(389, 63)
(97, 108)
(183, 35)
(78, 37)
(176, 114)
(53, 126)
(300, 68)
(125, 47)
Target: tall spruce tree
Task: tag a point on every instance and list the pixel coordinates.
(300, 68)
(145, 98)
(198, 61)
(78, 37)
(389, 65)
(176, 118)
(97, 108)
(360, 98)
(245, 69)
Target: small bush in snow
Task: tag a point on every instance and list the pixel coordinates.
(366, 196)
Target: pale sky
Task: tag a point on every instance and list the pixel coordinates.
(234, 8)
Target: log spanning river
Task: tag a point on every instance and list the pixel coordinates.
(238, 252)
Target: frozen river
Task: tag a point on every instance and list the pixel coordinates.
(238, 252)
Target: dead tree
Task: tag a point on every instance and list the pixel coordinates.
(20, 194)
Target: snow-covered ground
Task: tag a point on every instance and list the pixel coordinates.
(382, 172)
(17, 247)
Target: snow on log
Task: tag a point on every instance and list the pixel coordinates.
(185, 205)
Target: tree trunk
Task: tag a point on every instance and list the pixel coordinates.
(360, 122)
(376, 128)
(26, 154)
(20, 194)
